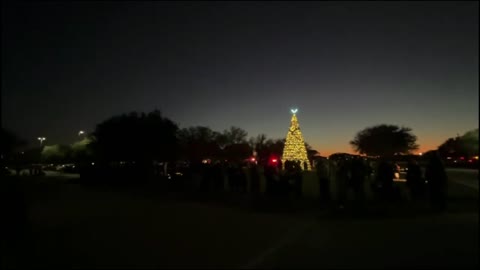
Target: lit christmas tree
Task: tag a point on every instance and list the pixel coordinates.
(295, 149)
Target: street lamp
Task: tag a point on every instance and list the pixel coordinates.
(81, 132)
(41, 139)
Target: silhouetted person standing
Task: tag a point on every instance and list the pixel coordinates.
(358, 174)
(241, 179)
(269, 172)
(196, 172)
(254, 179)
(231, 177)
(218, 177)
(323, 181)
(342, 182)
(287, 178)
(207, 174)
(297, 178)
(437, 182)
(415, 183)
(385, 177)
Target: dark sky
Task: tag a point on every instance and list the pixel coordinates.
(346, 66)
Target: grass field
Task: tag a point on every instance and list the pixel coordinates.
(70, 225)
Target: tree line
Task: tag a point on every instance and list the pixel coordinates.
(465, 145)
(143, 137)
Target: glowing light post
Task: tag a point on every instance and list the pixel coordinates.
(41, 139)
(81, 132)
(294, 149)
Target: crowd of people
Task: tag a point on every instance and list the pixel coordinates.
(352, 174)
(345, 175)
(337, 179)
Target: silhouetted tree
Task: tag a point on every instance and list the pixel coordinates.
(340, 156)
(237, 152)
(465, 145)
(10, 143)
(234, 143)
(264, 147)
(311, 153)
(56, 153)
(235, 135)
(275, 147)
(136, 137)
(267, 148)
(428, 153)
(80, 150)
(258, 143)
(384, 140)
(451, 147)
(199, 142)
(470, 140)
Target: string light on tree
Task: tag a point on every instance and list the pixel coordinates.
(294, 149)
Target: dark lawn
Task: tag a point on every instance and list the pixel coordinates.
(70, 225)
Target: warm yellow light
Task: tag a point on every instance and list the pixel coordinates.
(475, 157)
(294, 149)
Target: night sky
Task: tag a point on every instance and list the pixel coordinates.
(68, 66)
